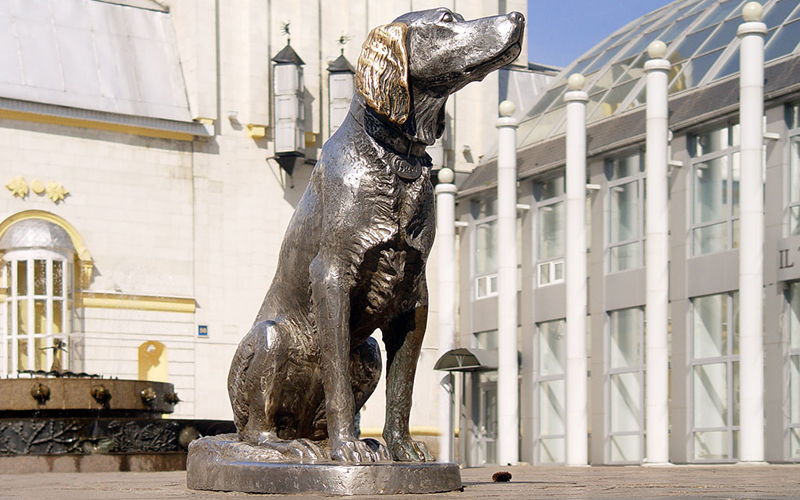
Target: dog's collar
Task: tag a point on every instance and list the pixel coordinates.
(398, 143)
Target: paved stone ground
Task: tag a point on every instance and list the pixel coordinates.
(677, 482)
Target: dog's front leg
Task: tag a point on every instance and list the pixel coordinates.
(331, 307)
(403, 340)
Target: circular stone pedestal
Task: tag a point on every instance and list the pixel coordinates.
(208, 469)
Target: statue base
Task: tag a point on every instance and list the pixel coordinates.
(222, 463)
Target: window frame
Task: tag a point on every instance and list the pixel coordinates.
(793, 356)
(639, 179)
(793, 124)
(639, 370)
(731, 217)
(488, 279)
(11, 337)
(539, 436)
(731, 361)
(551, 263)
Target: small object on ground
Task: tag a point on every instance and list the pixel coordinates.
(501, 477)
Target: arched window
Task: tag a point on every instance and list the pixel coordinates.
(37, 271)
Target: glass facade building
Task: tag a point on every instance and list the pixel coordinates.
(704, 235)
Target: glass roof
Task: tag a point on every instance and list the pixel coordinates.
(701, 45)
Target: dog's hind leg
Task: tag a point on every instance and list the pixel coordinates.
(403, 338)
(365, 371)
(250, 383)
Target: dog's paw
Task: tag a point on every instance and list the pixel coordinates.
(379, 448)
(407, 450)
(303, 449)
(357, 451)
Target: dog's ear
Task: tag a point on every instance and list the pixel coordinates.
(382, 74)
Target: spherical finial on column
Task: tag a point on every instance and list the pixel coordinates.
(751, 12)
(507, 108)
(576, 81)
(657, 50)
(446, 175)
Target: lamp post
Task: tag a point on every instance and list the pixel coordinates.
(657, 257)
(445, 239)
(507, 357)
(575, 263)
(751, 246)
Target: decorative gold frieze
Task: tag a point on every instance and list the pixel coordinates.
(18, 187)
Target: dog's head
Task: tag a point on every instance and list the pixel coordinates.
(435, 52)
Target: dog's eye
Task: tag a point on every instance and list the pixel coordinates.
(447, 17)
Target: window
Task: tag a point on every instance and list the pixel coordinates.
(37, 273)
(487, 340)
(794, 171)
(485, 213)
(715, 377)
(487, 407)
(716, 168)
(626, 186)
(551, 217)
(552, 360)
(793, 300)
(626, 385)
(38, 310)
(794, 187)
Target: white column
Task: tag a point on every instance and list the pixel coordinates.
(508, 370)
(446, 240)
(575, 263)
(657, 258)
(751, 245)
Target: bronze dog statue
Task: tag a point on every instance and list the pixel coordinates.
(353, 257)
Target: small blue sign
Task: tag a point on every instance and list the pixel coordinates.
(202, 330)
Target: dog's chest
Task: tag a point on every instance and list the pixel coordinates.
(393, 266)
(414, 220)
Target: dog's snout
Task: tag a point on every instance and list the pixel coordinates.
(517, 17)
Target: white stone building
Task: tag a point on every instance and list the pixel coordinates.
(143, 200)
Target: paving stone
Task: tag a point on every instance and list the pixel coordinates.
(762, 482)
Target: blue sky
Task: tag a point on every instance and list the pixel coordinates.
(559, 31)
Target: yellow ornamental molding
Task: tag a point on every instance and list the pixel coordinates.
(102, 300)
(37, 186)
(84, 259)
(414, 430)
(256, 131)
(121, 128)
(56, 191)
(311, 139)
(18, 187)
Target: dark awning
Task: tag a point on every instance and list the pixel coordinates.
(467, 360)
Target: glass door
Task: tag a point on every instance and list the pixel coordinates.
(487, 438)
